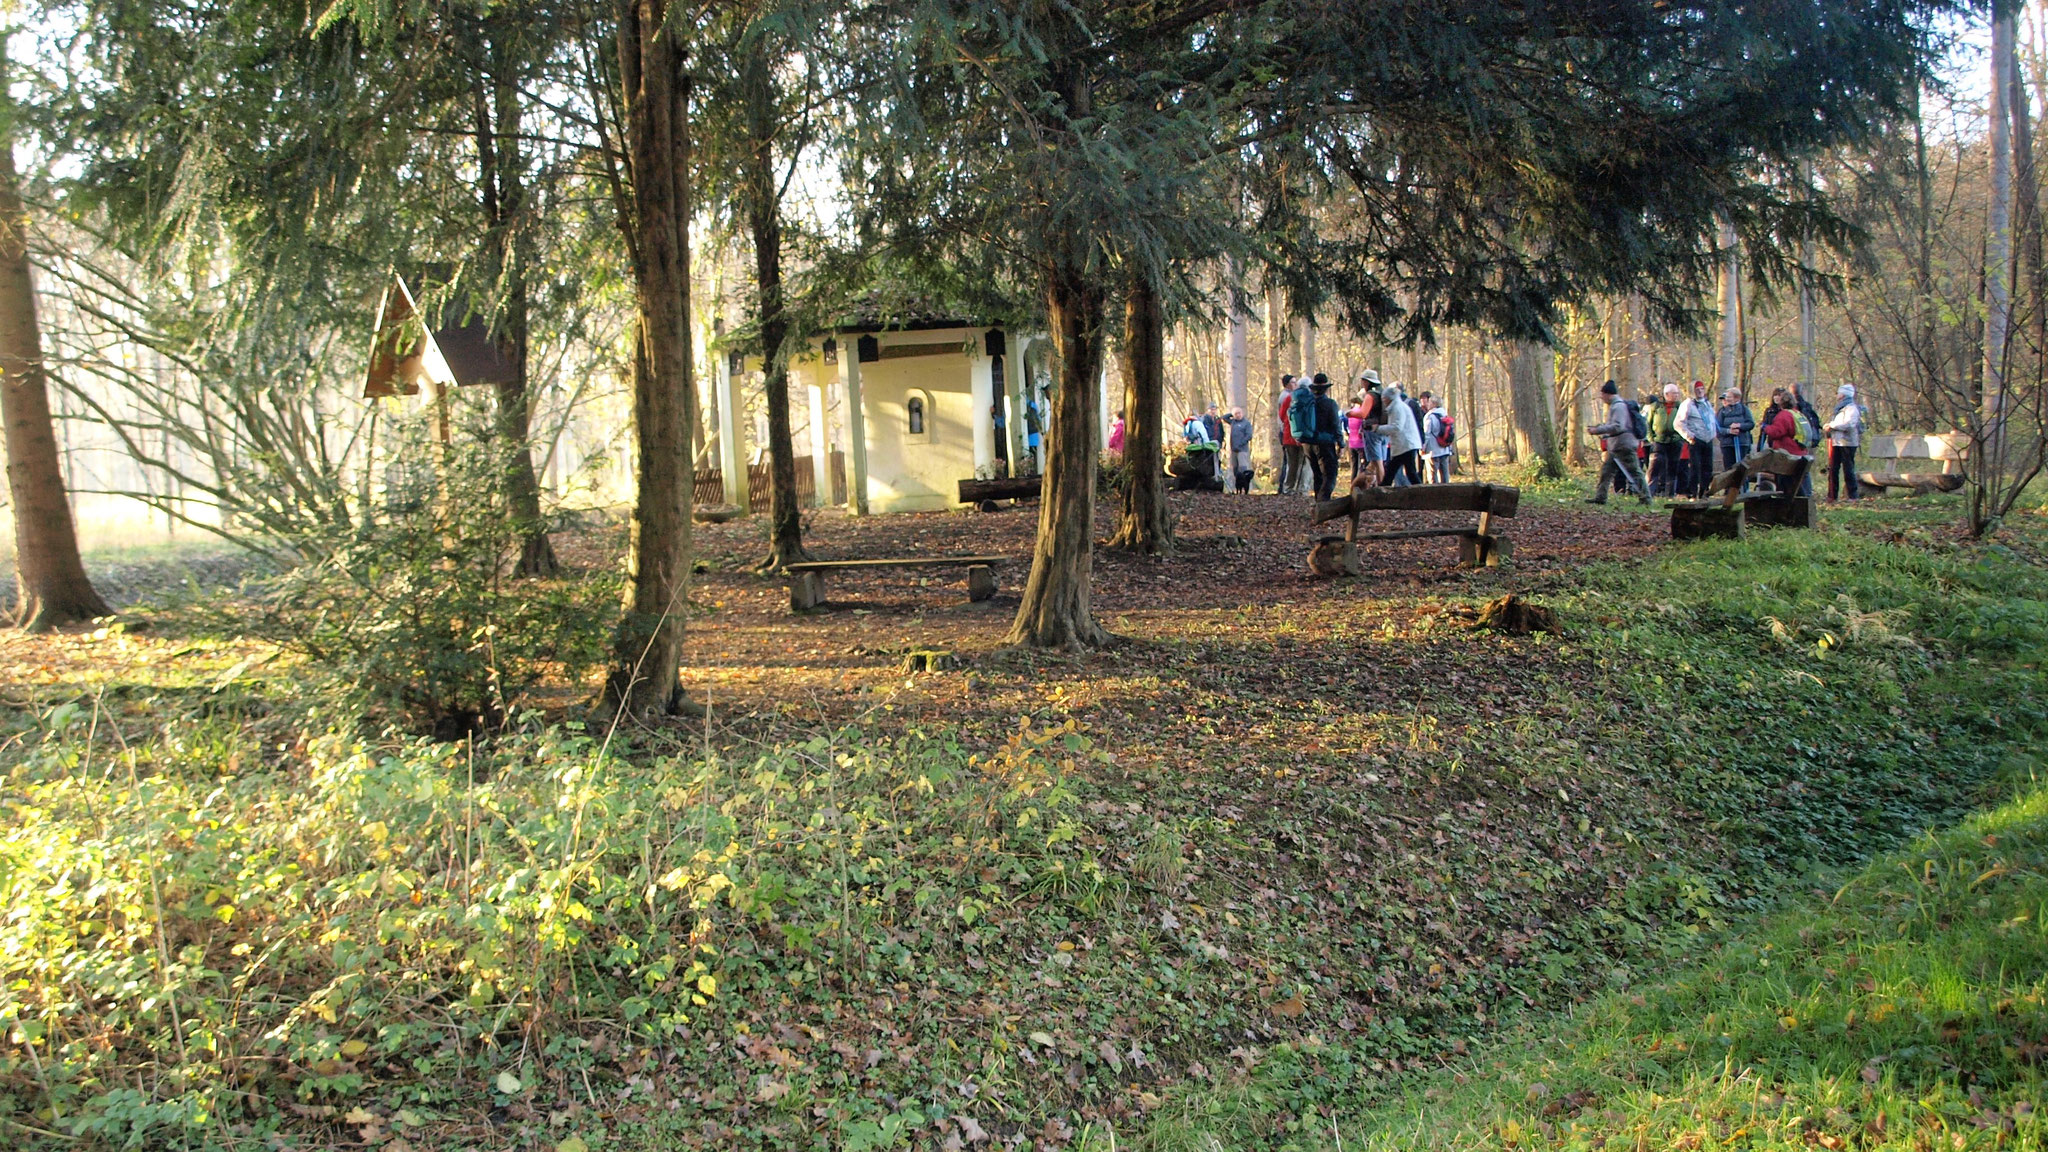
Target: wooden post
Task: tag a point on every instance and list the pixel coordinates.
(732, 455)
(821, 440)
(856, 429)
(981, 582)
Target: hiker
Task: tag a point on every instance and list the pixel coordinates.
(1666, 442)
(1361, 432)
(1845, 435)
(1700, 427)
(1116, 436)
(1213, 421)
(1293, 458)
(1437, 432)
(1404, 440)
(1241, 431)
(1811, 430)
(1033, 434)
(1315, 420)
(1619, 434)
(1737, 426)
(1785, 429)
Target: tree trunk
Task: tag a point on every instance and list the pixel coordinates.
(1472, 406)
(648, 649)
(1988, 457)
(1276, 335)
(2033, 304)
(501, 175)
(1237, 391)
(1725, 376)
(1055, 612)
(1145, 527)
(764, 220)
(51, 587)
(1531, 390)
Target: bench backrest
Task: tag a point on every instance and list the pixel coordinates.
(1916, 446)
(1499, 499)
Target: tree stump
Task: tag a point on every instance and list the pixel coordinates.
(981, 582)
(806, 591)
(1334, 557)
(929, 660)
(1515, 616)
(1701, 520)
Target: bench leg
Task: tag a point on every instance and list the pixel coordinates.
(1482, 551)
(1335, 557)
(981, 582)
(806, 591)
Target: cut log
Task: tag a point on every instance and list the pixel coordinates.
(1498, 499)
(1195, 472)
(1003, 488)
(1703, 519)
(1774, 511)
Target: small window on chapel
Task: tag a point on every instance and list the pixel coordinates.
(916, 409)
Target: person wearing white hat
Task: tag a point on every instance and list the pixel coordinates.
(1845, 435)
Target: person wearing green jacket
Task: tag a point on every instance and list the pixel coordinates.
(1665, 442)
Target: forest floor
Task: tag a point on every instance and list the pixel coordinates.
(1294, 837)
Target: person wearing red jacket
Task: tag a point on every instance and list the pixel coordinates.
(1781, 431)
(1293, 457)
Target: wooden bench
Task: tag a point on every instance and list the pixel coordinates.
(1478, 545)
(1951, 448)
(1781, 507)
(807, 578)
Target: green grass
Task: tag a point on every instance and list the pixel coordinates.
(238, 918)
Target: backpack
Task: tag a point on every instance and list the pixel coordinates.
(1192, 432)
(1637, 426)
(1301, 416)
(1446, 431)
(1808, 434)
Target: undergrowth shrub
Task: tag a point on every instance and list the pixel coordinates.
(436, 926)
(415, 612)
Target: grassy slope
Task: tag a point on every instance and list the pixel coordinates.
(1908, 1010)
(910, 933)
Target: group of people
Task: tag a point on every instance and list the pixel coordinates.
(1219, 442)
(1391, 438)
(1673, 446)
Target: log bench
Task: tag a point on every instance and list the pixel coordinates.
(1478, 544)
(1001, 488)
(1781, 507)
(807, 578)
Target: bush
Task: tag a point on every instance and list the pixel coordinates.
(416, 613)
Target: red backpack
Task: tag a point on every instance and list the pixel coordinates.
(1447, 431)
